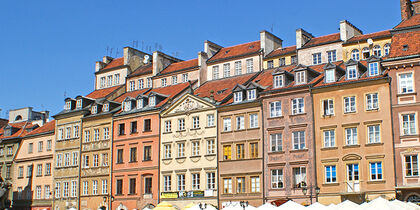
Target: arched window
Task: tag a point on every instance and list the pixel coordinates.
(355, 55)
(18, 118)
(387, 47)
(377, 50)
(366, 53)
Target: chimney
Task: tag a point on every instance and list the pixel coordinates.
(406, 9)
(416, 7)
(99, 65)
(269, 42)
(202, 59)
(135, 58)
(348, 30)
(161, 61)
(302, 37)
(211, 48)
(107, 59)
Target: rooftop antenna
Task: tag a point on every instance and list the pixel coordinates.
(65, 94)
(142, 45)
(272, 27)
(107, 50)
(117, 53)
(111, 52)
(137, 44)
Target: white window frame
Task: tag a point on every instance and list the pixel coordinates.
(299, 140)
(181, 124)
(349, 104)
(350, 71)
(372, 101)
(332, 55)
(195, 181)
(215, 72)
(275, 109)
(181, 149)
(329, 138)
(374, 69)
(406, 82)
(276, 142)
(237, 97)
(210, 120)
(330, 173)
(300, 77)
(373, 167)
(240, 122)
(374, 133)
(211, 147)
(298, 106)
(409, 126)
(168, 126)
(196, 122)
(238, 67)
(226, 70)
(251, 94)
(329, 75)
(249, 65)
(351, 136)
(277, 179)
(227, 124)
(167, 151)
(278, 81)
(253, 121)
(316, 58)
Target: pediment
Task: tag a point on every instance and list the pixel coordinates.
(187, 104)
(352, 157)
(330, 65)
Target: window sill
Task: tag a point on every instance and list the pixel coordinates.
(146, 131)
(180, 158)
(351, 146)
(179, 131)
(209, 155)
(275, 117)
(210, 126)
(376, 181)
(409, 136)
(146, 160)
(168, 132)
(374, 144)
(121, 134)
(372, 110)
(352, 112)
(135, 161)
(226, 132)
(120, 163)
(192, 129)
(412, 177)
(406, 94)
(166, 158)
(256, 128)
(276, 152)
(328, 148)
(328, 116)
(330, 184)
(298, 114)
(38, 175)
(238, 130)
(195, 156)
(131, 133)
(21, 177)
(299, 150)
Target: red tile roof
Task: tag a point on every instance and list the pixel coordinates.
(114, 63)
(22, 126)
(376, 35)
(226, 84)
(102, 93)
(132, 94)
(237, 50)
(47, 127)
(182, 65)
(282, 51)
(323, 40)
(413, 21)
(408, 39)
(142, 70)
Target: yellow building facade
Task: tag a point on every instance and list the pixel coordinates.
(363, 46)
(280, 57)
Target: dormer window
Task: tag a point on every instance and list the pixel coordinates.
(377, 50)
(329, 75)
(127, 106)
(132, 86)
(237, 97)
(68, 105)
(94, 109)
(365, 53)
(251, 94)
(300, 77)
(139, 103)
(79, 104)
(373, 69)
(152, 101)
(387, 47)
(105, 108)
(278, 81)
(351, 72)
(163, 81)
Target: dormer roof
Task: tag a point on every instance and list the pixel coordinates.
(322, 40)
(236, 51)
(373, 58)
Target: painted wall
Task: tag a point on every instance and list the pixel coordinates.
(305, 54)
(257, 66)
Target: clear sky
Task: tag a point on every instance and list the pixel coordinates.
(48, 48)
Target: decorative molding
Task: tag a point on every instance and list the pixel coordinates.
(188, 105)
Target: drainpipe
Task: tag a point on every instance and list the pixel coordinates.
(263, 149)
(110, 163)
(313, 143)
(393, 134)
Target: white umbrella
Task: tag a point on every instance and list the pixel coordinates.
(291, 205)
(403, 205)
(267, 206)
(331, 207)
(316, 206)
(348, 205)
(380, 203)
(413, 205)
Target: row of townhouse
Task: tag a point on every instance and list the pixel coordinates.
(329, 119)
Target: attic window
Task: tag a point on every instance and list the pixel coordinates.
(68, 105)
(351, 72)
(221, 91)
(278, 81)
(252, 94)
(127, 106)
(139, 103)
(329, 75)
(227, 51)
(18, 118)
(252, 46)
(94, 109)
(405, 47)
(152, 101)
(79, 104)
(237, 97)
(105, 108)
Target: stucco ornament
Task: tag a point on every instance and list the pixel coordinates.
(188, 105)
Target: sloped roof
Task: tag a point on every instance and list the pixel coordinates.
(103, 93)
(116, 62)
(22, 126)
(323, 40)
(236, 51)
(179, 66)
(282, 51)
(142, 70)
(404, 44)
(375, 35)
(132, 94)
(47, 127)
(413, 21)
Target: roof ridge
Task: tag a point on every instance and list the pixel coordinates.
(241, 44)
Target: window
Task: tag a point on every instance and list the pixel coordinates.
(294, 59)
(255, 184)
(8, 168)
(147, 125)
(103, 82)
(163, 82)
(366, 53)
(240, 152)
(316, 58)
(185, 77)
(67, 159)
(351, 72)
(251, 94)
(237, 96)
(406, 83)
(376, 171)
(38, 192)
(47, 169)
(215, 72)
(253, 147)
(141, 83)
(47, 190)
(104, 186)
(298, 140)
(60, 134)
(377, 50)
(226, 70)
(132, 86)
(196, 122)
(148, 185)
(168, 126)
(409, 124)
(270, 64)
(86, 161)
(2, 151)
(329, 75)
(195, 148)
(20, 172)
(132, 186)
(374, 134)
(240, 185)
(133, 154)
(210, 120)
(181, 124)
(59, 160)
(227, 185)
(181, 149)
(106, 133)
(300, 77)
(328, 105)
(57, 190)
(94, 187)
(120, 155)
(282, 61)
(349, 104)
(109, 80)
(181, 182)
(411, 165)
(105, 108)
(330, 174)
(351, 136)
(227, 152)
(133, 127)
(387, 48)
(329, 138)
(174, 80)
(166, 183)
(195, 181)
(278, 81)
(211, 181)
(275, 109)
(152, 101)
(39, 170)
(96, 135)
(297, 106)
(238, 68)
(149, 83)
(277, 179)
(373, 69)
(119, 188)
(355, 55)
(65, 189)
(10, 150)
(105, 159)
(73, 192)
(87, 136)
(121, 129)
(68, 105)
(240, 122)
(147, 153)
(49, 146)
(167, 151)
(139, 104)
(372, 101)
(276, 141)
(253, 120)
(227, 124)
(332, 55)
(78, 103)
(249, 65)
(40, 146)
(30, 148)
(75, 158)
(299, 177)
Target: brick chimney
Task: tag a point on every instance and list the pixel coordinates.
(302, 37)
(211, 48)
(348, 30)
(269, 42)
(99, 65)
(135, 58)
(202, 59)
(406, 9)
(416, 6)
(161, 61)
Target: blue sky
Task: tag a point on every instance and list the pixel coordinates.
(49, 48)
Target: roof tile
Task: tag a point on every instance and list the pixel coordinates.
(102, 93)
(402, 44)
(282, 51)
(114, 63)
(413, 21)
(173, 67)
(235, 51)
(48, 127)
(323, 40)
